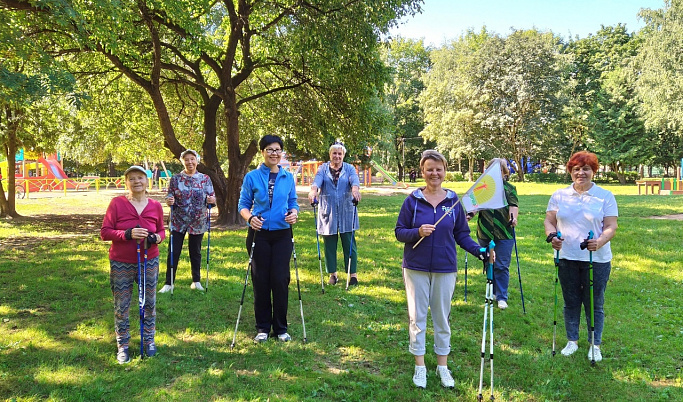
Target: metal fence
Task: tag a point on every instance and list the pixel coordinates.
(25, 187)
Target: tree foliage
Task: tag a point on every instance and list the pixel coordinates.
(660, 82)
(34, 89)
(603, 97)
(247, 68)
(493, 96)
(408, 60)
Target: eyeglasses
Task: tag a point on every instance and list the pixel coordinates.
(272, 151)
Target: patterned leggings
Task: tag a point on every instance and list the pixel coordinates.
(122, 276)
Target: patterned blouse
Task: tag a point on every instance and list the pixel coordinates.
(189, 210)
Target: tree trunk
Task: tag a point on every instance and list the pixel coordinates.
(239, 163)
(520, 168)
(619, 170)
(470, 171)
(4, 206)
(8, 207)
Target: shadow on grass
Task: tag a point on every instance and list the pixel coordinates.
(58, 341)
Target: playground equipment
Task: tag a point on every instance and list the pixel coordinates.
(386, 174)
(42, 174)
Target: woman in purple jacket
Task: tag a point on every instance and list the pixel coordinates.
(429, 270)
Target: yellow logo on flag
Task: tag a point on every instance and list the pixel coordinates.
(487, 192)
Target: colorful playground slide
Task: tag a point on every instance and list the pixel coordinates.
(55, 171)
(386, 174)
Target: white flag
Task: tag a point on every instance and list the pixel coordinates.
(487, 192)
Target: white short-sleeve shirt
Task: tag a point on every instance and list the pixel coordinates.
(577, 214)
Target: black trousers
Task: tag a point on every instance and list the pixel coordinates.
(270, 276)
(194, 246)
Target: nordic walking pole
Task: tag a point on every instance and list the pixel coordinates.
(519, 273)
(244, 289)
(488, 311)
(141, 300)
(353, 236)
(557, 273)
(298, 287)
(208, 243)
(590, 283)
(317, 238)
(466, 277)
(170, 246)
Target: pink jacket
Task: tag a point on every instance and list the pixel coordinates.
(120, 216)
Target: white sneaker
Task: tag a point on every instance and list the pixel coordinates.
(196, 285)
(502, 304)
(570, 348)
(166, 288)
(420, 377)
(261, 337)
(446, 378)
(284, 337)
(598, 354)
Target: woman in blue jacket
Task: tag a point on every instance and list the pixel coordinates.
(268, 204)
(338, 184)
(429, 270)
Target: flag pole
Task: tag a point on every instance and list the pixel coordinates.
(440, 219)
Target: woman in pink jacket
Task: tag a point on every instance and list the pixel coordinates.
(131, 219)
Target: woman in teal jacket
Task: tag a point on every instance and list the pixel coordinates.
(268, 204)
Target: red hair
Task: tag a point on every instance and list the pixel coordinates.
(582, 158)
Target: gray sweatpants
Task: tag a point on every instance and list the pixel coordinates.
(424, 291)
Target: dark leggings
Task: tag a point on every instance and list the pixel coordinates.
(270, 275)
(195, 247)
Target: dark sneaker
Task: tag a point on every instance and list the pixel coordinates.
(122, 356)
(151, 350)
(333, 280)
(353, 281)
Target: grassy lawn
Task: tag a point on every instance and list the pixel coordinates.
(57, 337)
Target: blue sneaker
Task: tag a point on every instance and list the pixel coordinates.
(150, 349)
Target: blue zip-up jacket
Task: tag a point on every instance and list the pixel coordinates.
(437, 252)
(254, 194)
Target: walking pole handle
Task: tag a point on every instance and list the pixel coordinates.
(584, 243)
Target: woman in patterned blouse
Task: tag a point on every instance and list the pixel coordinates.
(189, 193)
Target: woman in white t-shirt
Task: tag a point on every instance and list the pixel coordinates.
(574, 211)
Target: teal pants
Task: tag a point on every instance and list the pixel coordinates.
(348, 245)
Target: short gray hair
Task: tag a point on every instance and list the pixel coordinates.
(338, 145)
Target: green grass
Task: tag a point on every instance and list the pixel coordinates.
(57, 340)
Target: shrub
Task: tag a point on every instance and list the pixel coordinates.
(544, 177)
(454, 176)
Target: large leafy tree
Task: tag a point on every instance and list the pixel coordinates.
(605, 98)
(34, 90)
(247, 67)
(659, 83)
(409, 61)
(496, 96)
(452, 115)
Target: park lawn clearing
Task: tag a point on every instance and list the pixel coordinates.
(57, 339)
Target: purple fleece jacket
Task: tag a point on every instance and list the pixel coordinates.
(437, 252)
